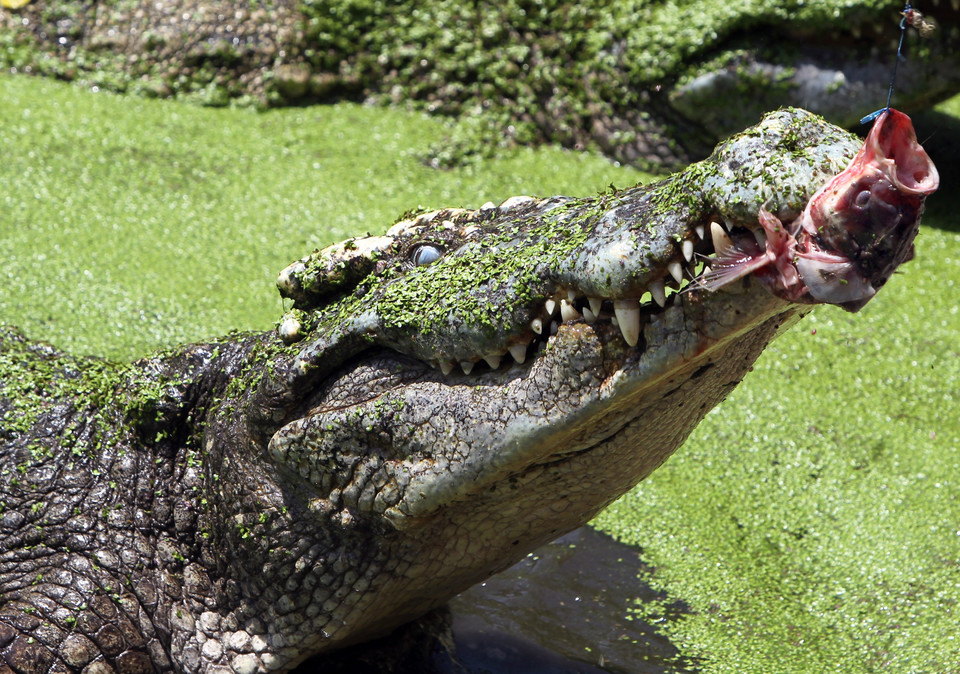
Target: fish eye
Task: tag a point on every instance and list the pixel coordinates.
(862, 199)
(425, 254)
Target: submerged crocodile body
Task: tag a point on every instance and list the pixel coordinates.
(439, 401)
(654, 84)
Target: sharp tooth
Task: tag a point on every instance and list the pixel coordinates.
(467, 366)
(595, 304)
(519, 352)
(658, 292)
(588, 315)
(628, 318)
(571, 296)
(721, 240)
(676, 271)
(700, 230)
(761, 237)
(568, 312)
(493, 360)
(550, 305)
(687, 248)
(446, 366)
(536, 325)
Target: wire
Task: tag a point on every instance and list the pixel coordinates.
(907, 9)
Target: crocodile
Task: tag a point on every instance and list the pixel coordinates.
(652, 84)
(438, 401)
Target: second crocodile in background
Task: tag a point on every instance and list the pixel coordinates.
(440, 400)
(651, 83)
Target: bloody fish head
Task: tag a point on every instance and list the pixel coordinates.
(860, 226)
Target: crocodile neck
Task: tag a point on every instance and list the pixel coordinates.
(112, 498)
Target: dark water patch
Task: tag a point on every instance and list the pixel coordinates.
(564, 609)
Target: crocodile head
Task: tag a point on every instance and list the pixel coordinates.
(448, 396)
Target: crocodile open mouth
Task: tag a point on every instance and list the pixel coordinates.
(683, 273)
(660, 273)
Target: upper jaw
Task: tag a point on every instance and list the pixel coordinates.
(612, 292)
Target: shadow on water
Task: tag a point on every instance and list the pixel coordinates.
(562, 610)
(568, 601)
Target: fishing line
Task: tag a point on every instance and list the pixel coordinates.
(911, 17)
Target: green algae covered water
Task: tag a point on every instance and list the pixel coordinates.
(810, 524)
(129, 224)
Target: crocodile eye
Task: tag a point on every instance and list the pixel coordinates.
(425, 254)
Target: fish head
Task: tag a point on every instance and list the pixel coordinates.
(860, 226)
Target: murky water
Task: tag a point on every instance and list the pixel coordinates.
(562, 610)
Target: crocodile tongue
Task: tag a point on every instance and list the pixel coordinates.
(859, 227)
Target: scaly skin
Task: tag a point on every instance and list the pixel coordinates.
(653, 84)
(243, 504)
